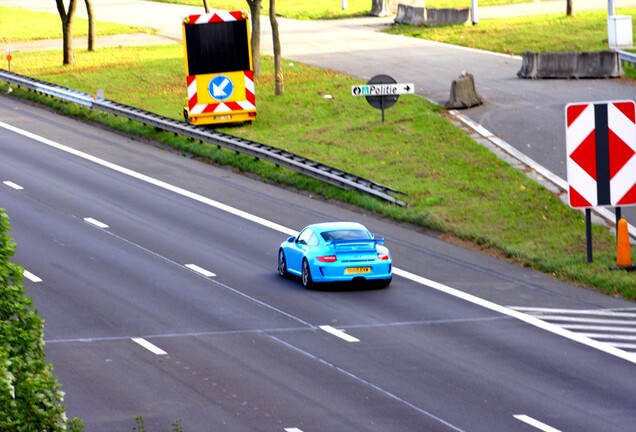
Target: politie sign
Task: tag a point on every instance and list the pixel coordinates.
(601, 153)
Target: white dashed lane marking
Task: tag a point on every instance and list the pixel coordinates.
(150, 347)
(339, 333)
(13, 185)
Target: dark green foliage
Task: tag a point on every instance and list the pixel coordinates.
(30, 399)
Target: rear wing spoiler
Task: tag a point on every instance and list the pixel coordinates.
(353, 242)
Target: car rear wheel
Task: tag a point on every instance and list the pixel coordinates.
(306, 275)
(282, 263)
(386, 282)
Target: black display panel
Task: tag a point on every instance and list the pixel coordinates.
(217, 47)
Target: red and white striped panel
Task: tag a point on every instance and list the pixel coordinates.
(248, 104)
(216, 16)
(622, 147)
(581, 151)
(583, 168)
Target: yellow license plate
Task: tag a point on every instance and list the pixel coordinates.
(357, 270)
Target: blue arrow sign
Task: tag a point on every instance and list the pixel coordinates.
(221, 87)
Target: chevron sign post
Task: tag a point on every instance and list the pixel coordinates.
(601, 150)
(601, 157)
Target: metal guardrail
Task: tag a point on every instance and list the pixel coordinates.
(625, 56)
(268, 153)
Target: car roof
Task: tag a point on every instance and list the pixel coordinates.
(331, 226)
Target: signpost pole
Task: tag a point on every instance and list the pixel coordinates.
(588, 233)
(382, 103)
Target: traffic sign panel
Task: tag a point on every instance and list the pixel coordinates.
(382, 89)
(601, 150)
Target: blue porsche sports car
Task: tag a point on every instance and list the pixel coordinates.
(335, 252)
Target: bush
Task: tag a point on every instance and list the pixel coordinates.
(30, 399)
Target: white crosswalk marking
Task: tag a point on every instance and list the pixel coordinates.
(616, 327)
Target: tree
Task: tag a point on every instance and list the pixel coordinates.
(255, 11)
(279, 82)
(569, 8)
(91, 25)
(67, 26)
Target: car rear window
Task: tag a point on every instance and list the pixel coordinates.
(346, 235)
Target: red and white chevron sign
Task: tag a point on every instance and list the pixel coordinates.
(601, 153)
(216, 16)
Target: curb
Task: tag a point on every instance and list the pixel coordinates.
(534, 170)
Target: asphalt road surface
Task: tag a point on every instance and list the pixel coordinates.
(156, 276)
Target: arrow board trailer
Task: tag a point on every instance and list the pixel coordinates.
(219, 68)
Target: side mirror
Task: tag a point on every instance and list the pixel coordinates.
(291, 239)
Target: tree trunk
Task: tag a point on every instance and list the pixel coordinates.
(91, 25)
(67, 29)
(255, 11)
(206, 6)
(279, 81)
(569, 8)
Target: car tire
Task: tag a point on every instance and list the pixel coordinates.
(282, 263)
(305, 275)
(386, 282)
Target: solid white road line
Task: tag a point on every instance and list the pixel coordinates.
(13, 185)
(264, 222)
(150, 347)
(150, 180)
(95, 222)
(292, 430)
(30, 276)
(536, 423)
(338, 333)
(200, 270)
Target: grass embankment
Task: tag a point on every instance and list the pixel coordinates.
(585, 31)
(453, 184)
(18, 25)
(326, 9)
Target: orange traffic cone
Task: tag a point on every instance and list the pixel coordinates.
(623, 253)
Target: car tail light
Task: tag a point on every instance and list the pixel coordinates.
(327, 258)
(383, 256)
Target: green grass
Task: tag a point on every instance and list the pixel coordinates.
(453, 184)
(326, 9)
(18, 25)
(586, 31)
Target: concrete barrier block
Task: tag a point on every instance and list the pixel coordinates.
(416, 15)
(412, 15)
(603, 64)
(445, 16)
(463, 93)
(400, 17)
(382, 8)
